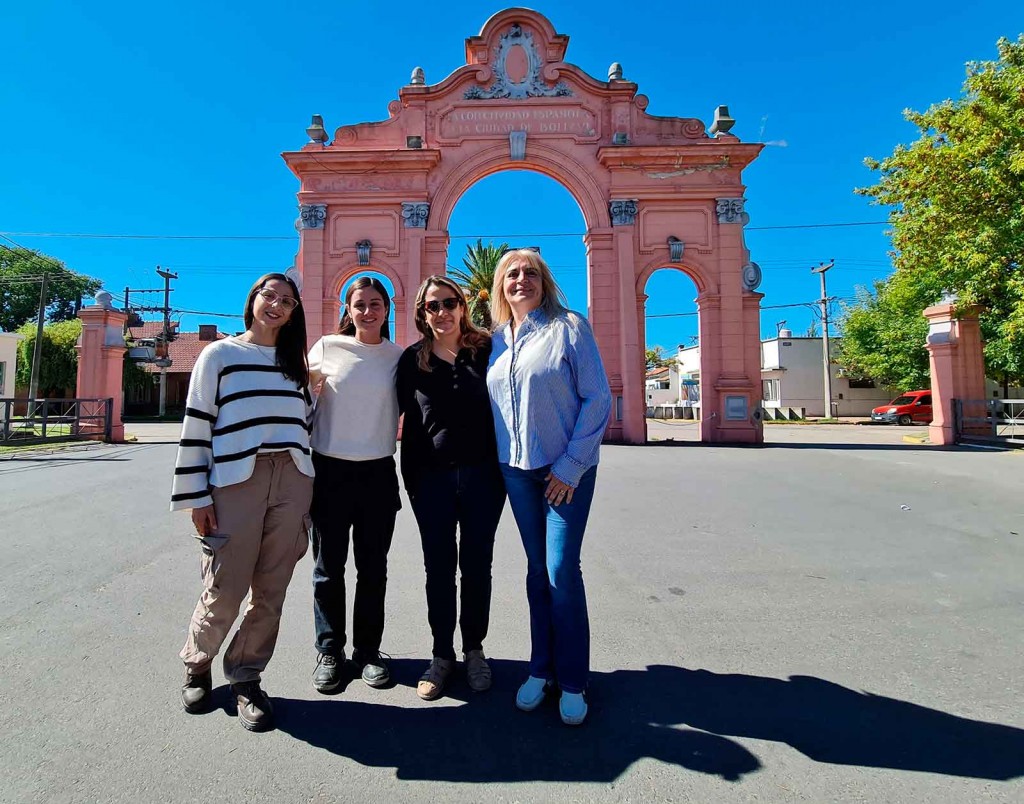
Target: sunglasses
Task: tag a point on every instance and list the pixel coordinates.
(273, 297)
(434, 306)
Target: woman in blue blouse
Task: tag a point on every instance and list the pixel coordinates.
(551, 402)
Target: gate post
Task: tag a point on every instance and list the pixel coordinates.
(957, 365)
(101, 360)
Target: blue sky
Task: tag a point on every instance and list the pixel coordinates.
(169, 119)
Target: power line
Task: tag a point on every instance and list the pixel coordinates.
(499, 236)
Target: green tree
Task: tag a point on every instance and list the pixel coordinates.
(58, 368)
(655, 358)
(20, 271)
(478, 278)
(957, 198)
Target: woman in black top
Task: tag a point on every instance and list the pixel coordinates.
(450, 467)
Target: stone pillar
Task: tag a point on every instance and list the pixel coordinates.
(708, 317)
(602, 273)
(312, 225)
(957, 366)
(101, 361)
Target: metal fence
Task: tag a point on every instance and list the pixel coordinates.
(38, 421)
(989, 421)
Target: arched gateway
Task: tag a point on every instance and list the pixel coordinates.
(655, 192)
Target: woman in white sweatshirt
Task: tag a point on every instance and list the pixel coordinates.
(244, 468)
(356, 489)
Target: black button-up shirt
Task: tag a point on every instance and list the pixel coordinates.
(448, 419)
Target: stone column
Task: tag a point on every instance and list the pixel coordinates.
(101, 361)
(957, 366)
(312, 224)
(631, 362)
(708, 322)
(602, 287)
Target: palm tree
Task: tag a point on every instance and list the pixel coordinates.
(477, 278)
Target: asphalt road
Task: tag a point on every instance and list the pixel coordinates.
(834, 617)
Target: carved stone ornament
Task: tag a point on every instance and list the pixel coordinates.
(623, 212)
(517, 145)
(363, 251)
(730, 210)
(751, 276)
(312, 216)
(675, 249)
(414, 213)
(522, 78)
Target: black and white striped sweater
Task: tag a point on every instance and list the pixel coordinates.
(239, 404)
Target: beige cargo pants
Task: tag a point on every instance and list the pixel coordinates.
(266, 521)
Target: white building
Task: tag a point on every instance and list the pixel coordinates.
(8, 361)
(792, 377)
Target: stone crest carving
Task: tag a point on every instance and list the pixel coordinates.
(751, 276)
(522, 77)
(623, 212)
(312, 216)
(517, 145)
(730, 210)
(675, 249)
(363, 252)
(414, 213)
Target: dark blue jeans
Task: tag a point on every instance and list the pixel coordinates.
(552, 537)
(469, 499)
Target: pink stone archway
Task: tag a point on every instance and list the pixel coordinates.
(654, 192)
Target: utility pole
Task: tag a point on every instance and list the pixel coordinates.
(821, 270)
(167, 277)
(37, 351)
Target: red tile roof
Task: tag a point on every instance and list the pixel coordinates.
(183, 352)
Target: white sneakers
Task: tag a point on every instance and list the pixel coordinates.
(572, 706)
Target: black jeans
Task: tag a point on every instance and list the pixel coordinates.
(360, 497)
(469, 498)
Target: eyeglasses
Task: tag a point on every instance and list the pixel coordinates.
(434, 305)
(289, 303)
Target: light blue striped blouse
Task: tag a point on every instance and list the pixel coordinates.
(550, 394)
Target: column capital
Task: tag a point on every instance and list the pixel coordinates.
(730, 210)
(414, 214)
(312, 216)
(622, 211)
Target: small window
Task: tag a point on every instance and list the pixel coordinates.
(770, 390)
(862, 383)
(926, 399)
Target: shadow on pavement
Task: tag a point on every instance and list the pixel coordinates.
(486, 739)
(637, 714)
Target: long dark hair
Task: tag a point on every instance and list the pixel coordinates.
(291, 338)
(470, 335)
(347, 326)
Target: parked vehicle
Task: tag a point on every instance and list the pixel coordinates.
(913, 407)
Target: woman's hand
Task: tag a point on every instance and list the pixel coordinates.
(557, 491)
(205, 520)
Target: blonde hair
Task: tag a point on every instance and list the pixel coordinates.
(552, 299)
(471, 336)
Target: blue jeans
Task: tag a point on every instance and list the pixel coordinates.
(552, 537)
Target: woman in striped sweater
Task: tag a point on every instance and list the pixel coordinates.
(244, 468)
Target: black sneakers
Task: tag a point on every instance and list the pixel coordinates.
(195, 692)
(255, 711)
(327, 676)
(375, 671)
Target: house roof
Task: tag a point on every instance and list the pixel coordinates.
(655, 373)
(183, 352)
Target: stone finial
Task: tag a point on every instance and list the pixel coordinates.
(615, 72)
(104, 300)
(316, 130)
(723, 122)
(418, 77)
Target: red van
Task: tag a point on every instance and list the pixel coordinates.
(913, 407)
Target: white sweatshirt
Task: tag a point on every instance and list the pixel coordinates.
(356, 416)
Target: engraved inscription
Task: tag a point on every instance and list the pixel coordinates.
(535, 120)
